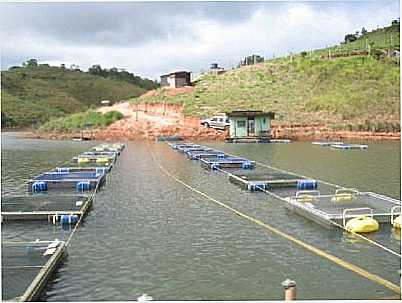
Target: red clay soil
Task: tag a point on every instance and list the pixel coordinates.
(149, 121)
(321, 132)
(170, 91)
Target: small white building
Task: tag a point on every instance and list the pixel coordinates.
(176, 79)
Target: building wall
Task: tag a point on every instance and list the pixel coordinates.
(239, 126)
(164, 81)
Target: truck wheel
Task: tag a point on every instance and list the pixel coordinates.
(206, 125)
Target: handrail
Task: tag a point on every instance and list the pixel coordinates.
(354, 209)
(393, 212)
(301, 192)
(346, 190)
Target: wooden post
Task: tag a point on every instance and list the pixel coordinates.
(290, 289)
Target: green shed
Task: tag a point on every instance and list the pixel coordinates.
(250, 126)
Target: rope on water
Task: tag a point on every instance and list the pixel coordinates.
(342, 263)
(92, 196)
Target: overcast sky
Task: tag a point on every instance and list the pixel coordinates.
(150, 39)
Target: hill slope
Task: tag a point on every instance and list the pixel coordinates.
(357, 92)
(33, 95)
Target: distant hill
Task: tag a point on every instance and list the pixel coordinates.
(32, 95)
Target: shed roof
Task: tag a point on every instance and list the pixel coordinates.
(176, 73)
(250, 113)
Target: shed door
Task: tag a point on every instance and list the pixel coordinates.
(250, 127)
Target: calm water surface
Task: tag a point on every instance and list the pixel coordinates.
(148, 234)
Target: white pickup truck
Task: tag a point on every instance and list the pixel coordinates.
(219, 122)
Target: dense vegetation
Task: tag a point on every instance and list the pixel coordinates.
(78, 121)
(122, 75)
(35, 93)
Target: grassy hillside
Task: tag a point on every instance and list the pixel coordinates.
(354, 92)
(78, 121)
(33, 95)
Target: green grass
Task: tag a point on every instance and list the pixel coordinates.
(32, 96)
(88, 119)
(334, 92)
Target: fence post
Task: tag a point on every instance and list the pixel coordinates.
(290, 289)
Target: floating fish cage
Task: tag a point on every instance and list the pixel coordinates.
(81, 181)
(92, 170)
(28, 266)
(114, 147)
(75, 166)
(326, 143)
(206, 154)
(227, 162)
(342, 206)
(180, 146)
(82, 159)
(279, 141)
(169, 138)
(272, 181)
(349, 146)
(110, 154)
(44, 207)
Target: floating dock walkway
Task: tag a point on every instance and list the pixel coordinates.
(327, 204)
(28, 266)
(63, 196)
(44, 207)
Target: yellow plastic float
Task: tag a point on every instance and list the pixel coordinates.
(307, 196)
(83, 160)
(343, 195)
(362, 224)
(102, 160)
(397, 222)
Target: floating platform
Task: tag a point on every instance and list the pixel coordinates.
(92, 170)
(279, 141)
(326, 143)
(62, 180)
(113, 147)
(249, 140)
(44, 207)
(28, 266)
(183, 145)
(206, 154)
(111, 154)
(342, 206)
(228, 162)
(75, 166)
(349, 146)
(272, 181)
(169, 138)
(93, 159)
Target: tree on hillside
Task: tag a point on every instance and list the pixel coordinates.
(350, 38)
(30, 63)
(364, 31)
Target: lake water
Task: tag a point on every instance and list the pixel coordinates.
(147, 233)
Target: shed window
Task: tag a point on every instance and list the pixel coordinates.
(241, 123)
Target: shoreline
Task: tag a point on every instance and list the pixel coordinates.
(298, 134)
